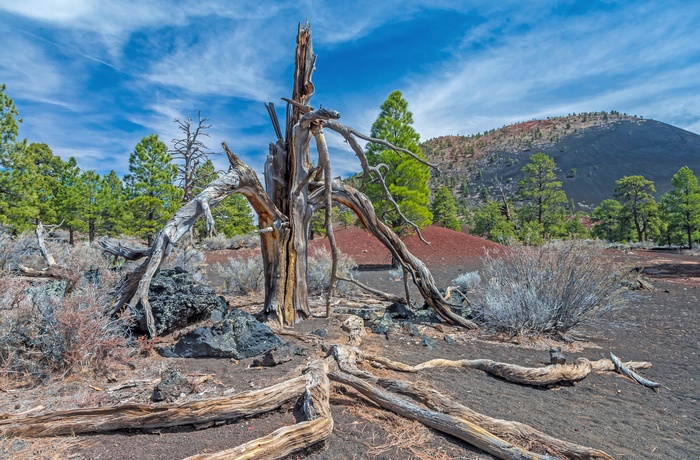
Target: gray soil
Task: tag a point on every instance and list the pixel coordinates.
(606, 411)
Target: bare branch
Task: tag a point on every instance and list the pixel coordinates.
(124, 251)
(367, 169)
(374, 140)
(325, 163)
(381, 294)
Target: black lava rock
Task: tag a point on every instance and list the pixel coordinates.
(238, 336)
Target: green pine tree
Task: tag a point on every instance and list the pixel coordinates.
(542, 194)
(406, 178)
(114, 213)
(445, 210)
(682, 204)
(152, 196)
(636, 195)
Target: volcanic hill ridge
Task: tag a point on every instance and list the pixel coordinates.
(592, 151)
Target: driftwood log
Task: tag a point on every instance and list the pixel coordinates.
(534, 376)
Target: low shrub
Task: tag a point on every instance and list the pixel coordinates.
(319, 272)
(217, 242)
(241, 276)
(467, 281)
(547, 289)
(50, 328)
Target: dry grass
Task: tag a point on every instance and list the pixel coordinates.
(40, 448)
(399, 436)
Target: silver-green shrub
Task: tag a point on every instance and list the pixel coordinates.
(547, 289)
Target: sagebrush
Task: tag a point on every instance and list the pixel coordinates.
(318, 272)
(52, 328)
(547, 289)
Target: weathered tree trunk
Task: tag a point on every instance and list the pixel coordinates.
(294, 189)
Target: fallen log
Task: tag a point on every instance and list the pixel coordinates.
(315, 426)
(92, 420)
(534, 376)
(445, 423)
(514, 432)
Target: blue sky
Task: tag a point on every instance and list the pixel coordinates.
(91, 78)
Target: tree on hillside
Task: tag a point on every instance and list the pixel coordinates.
(445, 210)
(636, 195)
(152, 196)
(491, 223)
(193, 153)
(682, 204)
(609, 223)
(405, 178)
(541, 192)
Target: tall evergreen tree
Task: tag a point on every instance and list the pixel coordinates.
(541, 192)
(682, 204)
(32, 186)
(636, 195)
(444, 209)
(152, 196)
(406, 178)
(609, 224)
(114, 212)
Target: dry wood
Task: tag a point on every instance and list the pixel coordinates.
(462, 429)
(534, 376)
(518, 433)
(515, 432)
(133, 289)
(619, 367)
(381, 294)
(355, 326)
(125, 251)
(77, 421)
(362, 207)
(315, 426)
(50, 261)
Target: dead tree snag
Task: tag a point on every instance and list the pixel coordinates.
(294, 189)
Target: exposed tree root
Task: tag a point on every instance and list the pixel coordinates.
(534, 376)
(515, 432)
(445, 423)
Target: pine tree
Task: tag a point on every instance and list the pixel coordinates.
(609, 224)
(114, 214)
(636, 195)
(31, 186)
(406, 178)
(152, 196)
(683, 204)
(445, 210)
(542, 193)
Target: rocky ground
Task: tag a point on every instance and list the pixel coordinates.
(605, 411)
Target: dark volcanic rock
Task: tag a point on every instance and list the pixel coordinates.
(275, 357)
(171, 386)
(177, 300)
(238, 336)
